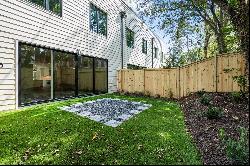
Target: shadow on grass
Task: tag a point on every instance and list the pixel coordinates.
(44, 134)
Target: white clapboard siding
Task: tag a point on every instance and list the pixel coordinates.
(7, 82)
(6, 76)
(7, 107)
(7, 102)
(7, 97)
(7, 87)
(26, 22)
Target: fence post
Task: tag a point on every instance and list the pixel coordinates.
(216, 75)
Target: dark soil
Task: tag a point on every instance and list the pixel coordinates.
(205, 132)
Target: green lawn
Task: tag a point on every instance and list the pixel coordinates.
(43, 134)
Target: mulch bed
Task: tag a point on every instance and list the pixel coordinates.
(205, 132)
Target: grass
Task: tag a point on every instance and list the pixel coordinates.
(43, 134)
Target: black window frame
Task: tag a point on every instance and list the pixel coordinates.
(130, 34)
(97, 10)
(155, 52)
(53, 56)
(144, 46)
(46, 6)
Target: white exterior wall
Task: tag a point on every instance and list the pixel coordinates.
(24, 21)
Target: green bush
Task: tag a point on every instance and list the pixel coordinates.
(205, 99)
(236, 96)
(237, 150)
(241, 81)
(200, 93)
(214, 113)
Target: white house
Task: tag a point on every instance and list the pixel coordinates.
(52, 49)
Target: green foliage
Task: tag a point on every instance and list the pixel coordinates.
(194, 24)
(236, 96)
(46, 135)
(200, 93)
(241, 81)
(130, 37)
(237, 150)
(205, 99)
(214, 113)
(134, 67)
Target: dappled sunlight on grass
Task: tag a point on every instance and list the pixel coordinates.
(165, 135)
(48, 135)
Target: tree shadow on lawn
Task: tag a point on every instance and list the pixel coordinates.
(47, 135)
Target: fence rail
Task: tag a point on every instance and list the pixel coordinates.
(211, 75)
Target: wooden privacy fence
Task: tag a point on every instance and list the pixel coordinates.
(211, 75)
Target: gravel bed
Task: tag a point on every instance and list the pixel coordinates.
(111, 112)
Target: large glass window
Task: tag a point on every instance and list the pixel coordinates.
(101, 67)
(64, 74)
(46, 74)
(35, 74)
(98, 20)
(85, 75)
(130, 35)
(144, 46)
(51, 5)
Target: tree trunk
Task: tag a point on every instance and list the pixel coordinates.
(206, 43)
(240, 18)
(220, 38)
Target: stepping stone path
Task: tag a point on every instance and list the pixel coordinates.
(111, 112)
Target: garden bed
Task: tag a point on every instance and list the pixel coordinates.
(205, 131)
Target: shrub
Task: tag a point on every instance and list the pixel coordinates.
(200, 93)
(237, 150)
(205, 99)
(214, 113)
(236, 96)
(242, 82)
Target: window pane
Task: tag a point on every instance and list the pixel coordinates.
(39, 2)
(35, 74)
(130, 37)
(144, 46)
(156, 52)
(101, 76)
(93, 18)
(64, 74)
(102, 22)
(55, 6)
(85, 75)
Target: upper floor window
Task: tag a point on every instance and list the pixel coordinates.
(130, 35)
(98, 20)
(155, 52)
(144, 46)
(162, 56)
(51, 5)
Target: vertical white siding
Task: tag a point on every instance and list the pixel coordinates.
(23, 21)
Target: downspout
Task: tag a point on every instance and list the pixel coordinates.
(123, 15)
(152, 42)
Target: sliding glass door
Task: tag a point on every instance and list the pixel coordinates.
(101, 69)
(46, 74)
(64, 74)
(35, 74)
(85, 75)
